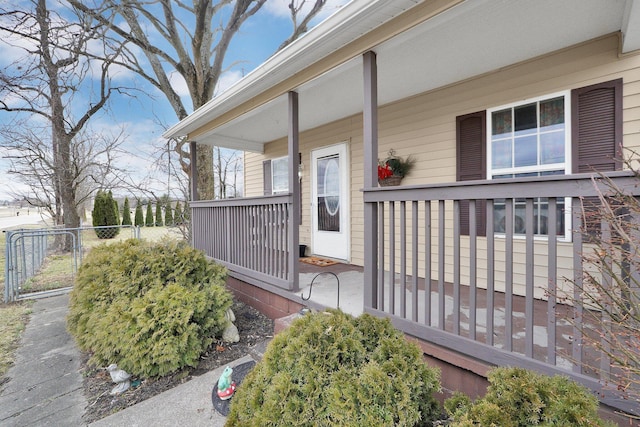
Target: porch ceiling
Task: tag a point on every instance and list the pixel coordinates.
(472, 38)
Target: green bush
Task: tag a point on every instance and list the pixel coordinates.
(158, 222)
(168, 216)
(104, 214)
(138, 218)
(178, 218)
(333, 369)
(148, 218)
(126, 212)
(152, 308)
(519, 397)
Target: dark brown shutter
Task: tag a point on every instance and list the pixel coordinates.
(597, 127)
(266, 177)
(596, 137)
(471, 161)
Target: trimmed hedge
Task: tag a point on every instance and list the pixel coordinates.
(333, 369)
(517, 397)
(152, 308)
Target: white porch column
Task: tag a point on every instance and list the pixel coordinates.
(370, 133)
(294, 189)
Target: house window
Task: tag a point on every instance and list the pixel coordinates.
(531, 138)
(279, 175)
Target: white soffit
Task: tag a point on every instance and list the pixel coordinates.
(473, 38)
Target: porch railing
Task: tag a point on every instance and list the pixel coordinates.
(489, 292)
(249, 236)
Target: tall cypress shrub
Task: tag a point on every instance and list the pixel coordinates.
(177, 215)
(104, 214)
(126, 214)
(139, 218)
(168, 216)
(148, 218)
(116, 211)
(158, 215)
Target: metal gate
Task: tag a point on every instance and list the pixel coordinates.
(27, 250)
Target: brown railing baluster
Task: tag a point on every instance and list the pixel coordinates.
(576, 344)
(403, 259)
(414, 261)
(441, 261)
(392, 258)
(381, 281)
(491, 241)
(427, 263)
(529, 257)
(552, 273)
(456, 267)
(508, 279)
(473, 271)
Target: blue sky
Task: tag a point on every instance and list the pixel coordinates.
(143, 120)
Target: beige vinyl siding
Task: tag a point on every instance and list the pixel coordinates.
(424, 126)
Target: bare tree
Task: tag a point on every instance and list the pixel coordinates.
(92, 163)
(227, 169)
(191, 40)
(41, 86)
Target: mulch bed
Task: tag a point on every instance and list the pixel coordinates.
(254, 328)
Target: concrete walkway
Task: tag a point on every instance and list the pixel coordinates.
(45, 385)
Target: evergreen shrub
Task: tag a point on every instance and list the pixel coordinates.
(168, 216)
(148, 218)
(152, 308)
(126, 212)
(138, 218)
(158, 222)
(333, 369)
(178, 218)
(517, 397)
(104, 214)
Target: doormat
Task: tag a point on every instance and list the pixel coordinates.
(317, 261)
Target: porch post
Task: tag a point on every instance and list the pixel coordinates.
(370, 133)
(294, 189)
(194, 170)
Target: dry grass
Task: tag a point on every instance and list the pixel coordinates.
(13, 319)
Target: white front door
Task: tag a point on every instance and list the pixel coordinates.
(330, 201)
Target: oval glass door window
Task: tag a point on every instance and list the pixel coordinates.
(329, 194)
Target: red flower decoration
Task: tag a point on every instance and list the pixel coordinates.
(384, 171)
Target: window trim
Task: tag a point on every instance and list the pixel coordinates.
(537, 168)
(568, 157)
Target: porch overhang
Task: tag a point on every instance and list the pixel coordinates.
(457, 40)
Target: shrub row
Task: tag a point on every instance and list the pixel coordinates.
(333, 369)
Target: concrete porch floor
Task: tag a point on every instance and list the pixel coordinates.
(324, 293)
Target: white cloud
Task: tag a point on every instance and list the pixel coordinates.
(227, 80)
(280, 8)
(178, 83)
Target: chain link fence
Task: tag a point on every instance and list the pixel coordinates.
(41, 262)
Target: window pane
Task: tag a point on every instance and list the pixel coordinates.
(552, 148)
(501, 154)
(526, 117)
(280, 177)
(552, 114)
(501, 123)
(526, 151)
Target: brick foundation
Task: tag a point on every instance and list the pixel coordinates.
(271, 305)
